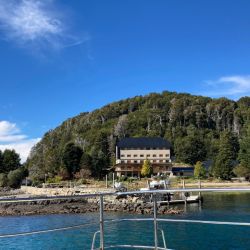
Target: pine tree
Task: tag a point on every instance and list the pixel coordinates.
(244, 155)
(146, 168)
(223, 165)
(71, 157)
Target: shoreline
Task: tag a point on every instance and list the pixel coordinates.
(77, 206)
(129, 204)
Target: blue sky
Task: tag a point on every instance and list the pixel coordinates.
(59, 58)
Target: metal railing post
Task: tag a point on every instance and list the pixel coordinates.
(155, 222)
(199, 184)
(101, 224)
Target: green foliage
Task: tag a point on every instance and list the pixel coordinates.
(64, 173)
(193, 125)
(72, 157)
(243, 169)
(99, 163)
(9, 160)
(223, 166)
(85, 162)
(122, 178)
(15, 177)
(199, 170)
(82, 182)
(191, 148)
(3, 180)
(56, 179)
(10, 165)
(146, 170)
(244, 153)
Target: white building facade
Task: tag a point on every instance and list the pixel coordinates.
(131, 153)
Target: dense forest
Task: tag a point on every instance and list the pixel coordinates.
(199, 129)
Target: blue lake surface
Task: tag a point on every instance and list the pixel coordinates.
(217, 207)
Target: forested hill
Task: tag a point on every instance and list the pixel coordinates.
(195, 126)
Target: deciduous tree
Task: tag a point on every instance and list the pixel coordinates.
(199, 170)
(11, 160)
(146, 170)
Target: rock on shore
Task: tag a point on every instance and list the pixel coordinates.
(67, 206)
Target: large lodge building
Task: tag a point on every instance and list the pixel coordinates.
(131, 153)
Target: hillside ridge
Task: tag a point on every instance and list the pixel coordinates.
(171, 115)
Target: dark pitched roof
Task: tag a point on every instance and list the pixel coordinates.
(182, 169)
(144, 142)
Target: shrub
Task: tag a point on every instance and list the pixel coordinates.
(64, 174)
(56, 179)
(15, 177)
(3, 180)
(242, 171)
(122, 178)
(82, 182)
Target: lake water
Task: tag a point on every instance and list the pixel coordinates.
(221, 207)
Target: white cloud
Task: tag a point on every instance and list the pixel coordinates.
(7, 128)
(232, 86)
(36, 23)
(9, 132)
(12, 138)
(22, 147)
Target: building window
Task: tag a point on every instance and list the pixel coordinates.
(135, 155)
(128, 155)
(148, 155)
(167, 160)
(161, 155)
(154, 161)
(161, 161)
(167, 155)
(122, 161)
(122, 155)
(141, 155)
(154, 155)
(135, 161)
(128, 161)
